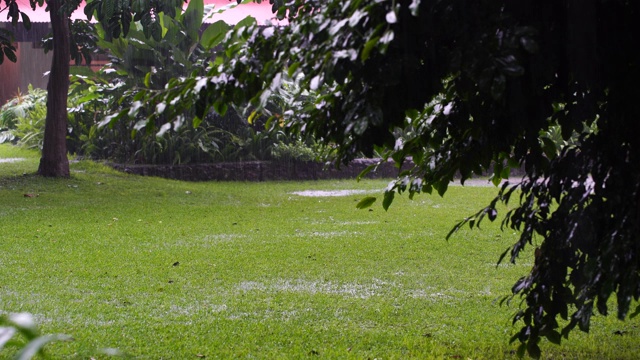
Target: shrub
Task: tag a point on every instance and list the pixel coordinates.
(22, 117)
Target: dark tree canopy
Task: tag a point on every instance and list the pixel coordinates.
(464, 88)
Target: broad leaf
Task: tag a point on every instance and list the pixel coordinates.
(214, 34)
(35, 346)
(192, 18)
(366, 202)
(368, 46)
(11, 55)
(388, 199)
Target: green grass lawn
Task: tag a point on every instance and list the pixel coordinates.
(165, 269)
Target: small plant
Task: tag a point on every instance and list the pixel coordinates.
(30, 128)
(296, 150)
(31, 342)
(19, 109)
(553, 139)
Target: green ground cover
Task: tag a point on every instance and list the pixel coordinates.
(164, 269)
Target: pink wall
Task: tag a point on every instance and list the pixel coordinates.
(262, 11)
(14, 76)
(9, 76)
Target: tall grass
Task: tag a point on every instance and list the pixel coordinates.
(164, 269)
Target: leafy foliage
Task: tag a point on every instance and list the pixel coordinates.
(142, 62)
(467, 88)
(83, 40)
(25, 325)
(138, 61)
(6, 37)
(22, 118)
(6, 46)
(117, 16)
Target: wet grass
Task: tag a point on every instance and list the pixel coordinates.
(165, 269)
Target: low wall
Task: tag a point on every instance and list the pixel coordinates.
(261, 170)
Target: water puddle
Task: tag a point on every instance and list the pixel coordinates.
(476, 182)
(11, 160)
(332, 193)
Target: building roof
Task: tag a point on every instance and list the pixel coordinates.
(261, 12)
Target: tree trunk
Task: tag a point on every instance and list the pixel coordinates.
(54, 162)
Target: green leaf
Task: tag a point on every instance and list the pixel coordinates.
(529, 44)
(510, 66)
(156, 31)
(388, 199)
(533, 349)
(11, 55)
(220, 108)
(6, 333)
(88, 97)
(506, 172)
(368, 46)
(502, 256)
(521, 350)
(455, 229)
(141, 124)
(292, 69)
(554, 337)
(147, 80)
(164, 20)
(247, 21)
(26, 21)
(81, 71)
(126, 23)
(496, 180)
(90, 9)
(196, 121)
(192, 18)
(25, 323)
(549, 147)
(492, 213)
(441, 187)
(108, 9)
(34, 347)
(498, 86)
(366, 170)
(366, 202)
(214, 34)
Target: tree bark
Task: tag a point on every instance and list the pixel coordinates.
(54, 162)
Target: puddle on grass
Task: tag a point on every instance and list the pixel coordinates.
(361, 291)
(332, 193)
(325, 234)
(11, 160)
(476, 182)
(222, 238)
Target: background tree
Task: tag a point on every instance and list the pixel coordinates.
(54, 160)
(117, 16)
(465, 88)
